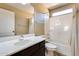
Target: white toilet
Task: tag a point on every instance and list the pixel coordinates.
(50, 49)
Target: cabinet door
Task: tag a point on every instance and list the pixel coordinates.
(41, 50)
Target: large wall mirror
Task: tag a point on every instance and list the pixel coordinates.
(12, 24)
(7, 23)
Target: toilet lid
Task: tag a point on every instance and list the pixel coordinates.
(50, 45)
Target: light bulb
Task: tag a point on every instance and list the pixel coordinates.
(23, 3)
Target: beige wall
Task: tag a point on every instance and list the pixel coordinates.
(40, 7)
(40, 27)
(21, 25)
(20, 17)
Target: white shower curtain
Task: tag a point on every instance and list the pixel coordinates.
(75, 33)
(74, 40)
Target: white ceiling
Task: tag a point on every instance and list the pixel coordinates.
(25, 7)
(48, 5)
(28, 7)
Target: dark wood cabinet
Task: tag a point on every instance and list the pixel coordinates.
(35, 50)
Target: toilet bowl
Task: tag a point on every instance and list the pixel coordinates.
(50, 48)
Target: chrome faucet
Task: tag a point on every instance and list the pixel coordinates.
(21, 37)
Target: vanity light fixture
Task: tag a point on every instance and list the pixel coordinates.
(62, 12)
(23, 3)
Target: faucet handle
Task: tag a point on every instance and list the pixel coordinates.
(22, 36)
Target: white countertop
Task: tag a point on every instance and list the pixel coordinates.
(10, 47)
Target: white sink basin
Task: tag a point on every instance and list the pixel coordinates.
(27, 41)
(22, 42)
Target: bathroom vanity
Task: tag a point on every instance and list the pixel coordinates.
(28, 46)
(35, 50)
